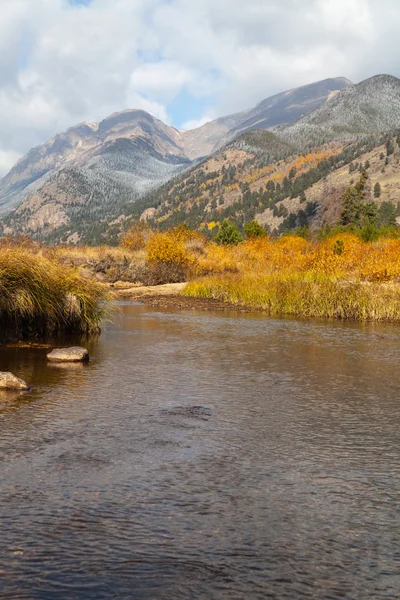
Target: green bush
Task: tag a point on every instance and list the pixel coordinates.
(228, 234)
(253, 229)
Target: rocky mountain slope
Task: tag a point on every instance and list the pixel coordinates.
(280, 172)
(372, 106)
(83, 145)
(97, 165)
(281, 188)
(279, 110)
(300, 169)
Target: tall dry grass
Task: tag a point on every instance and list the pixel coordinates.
(39, 296)
(341, 277)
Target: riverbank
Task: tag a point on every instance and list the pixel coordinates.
(340, 277)
(343, 300)
(171, 296)
(45, 290)
(302, 296)
(39, 297)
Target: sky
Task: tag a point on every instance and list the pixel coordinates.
(184, 61)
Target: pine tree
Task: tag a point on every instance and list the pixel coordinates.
(377, 190)
(354, 209)
(387, 214)
(351, 208)
(228, 234)
(253, 229)
(389, 147)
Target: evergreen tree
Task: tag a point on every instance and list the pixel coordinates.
(228, 234)
(389, 147)
(377, 190)
(369, 212)
(253, 229)
(361, 186)
(351, 208)
(387, 214)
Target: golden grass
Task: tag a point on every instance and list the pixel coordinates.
(292, 276)
(39, 296)
(305, 295)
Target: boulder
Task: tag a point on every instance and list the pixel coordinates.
(8, 381)
(74, 354)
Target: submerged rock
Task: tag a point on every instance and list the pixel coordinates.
(8, 381)
(74, 354)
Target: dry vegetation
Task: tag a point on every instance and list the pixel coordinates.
(341, 277)
(39, 296)
(48, 289)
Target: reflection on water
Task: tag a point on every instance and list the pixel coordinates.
(204, 456)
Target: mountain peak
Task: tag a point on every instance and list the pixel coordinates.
(369, 107)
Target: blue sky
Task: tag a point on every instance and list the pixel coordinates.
(184, 61)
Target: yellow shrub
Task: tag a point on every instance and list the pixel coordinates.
(165, 248)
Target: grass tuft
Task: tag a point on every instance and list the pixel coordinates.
(38, 295)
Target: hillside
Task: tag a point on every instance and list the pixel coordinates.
(283, 174)
(93, 169)
(281, 109)
(298, 174)
(370, 107)
(281, 188)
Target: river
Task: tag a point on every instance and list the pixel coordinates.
(204, 455)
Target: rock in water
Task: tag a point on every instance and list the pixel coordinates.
(8, 381)
(75, 354)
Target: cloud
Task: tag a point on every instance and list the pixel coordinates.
(65, 61)
(8, 160)
(195, 123)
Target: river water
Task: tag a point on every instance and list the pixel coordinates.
(205, 455)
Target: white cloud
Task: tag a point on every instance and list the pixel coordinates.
(195, 123)
(7, 160)
(163, 79)
(61, 63)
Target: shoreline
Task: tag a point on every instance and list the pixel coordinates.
(168, 296)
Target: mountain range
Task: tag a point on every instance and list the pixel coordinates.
(85, 183)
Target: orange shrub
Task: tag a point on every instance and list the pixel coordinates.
(136, 236)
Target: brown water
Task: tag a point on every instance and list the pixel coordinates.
(205, 456)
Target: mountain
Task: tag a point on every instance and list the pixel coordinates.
(167, 149)
(369, 107)
(85, 184)
(296, 174)
(257, 176)
(83, 145)
(273, 112)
